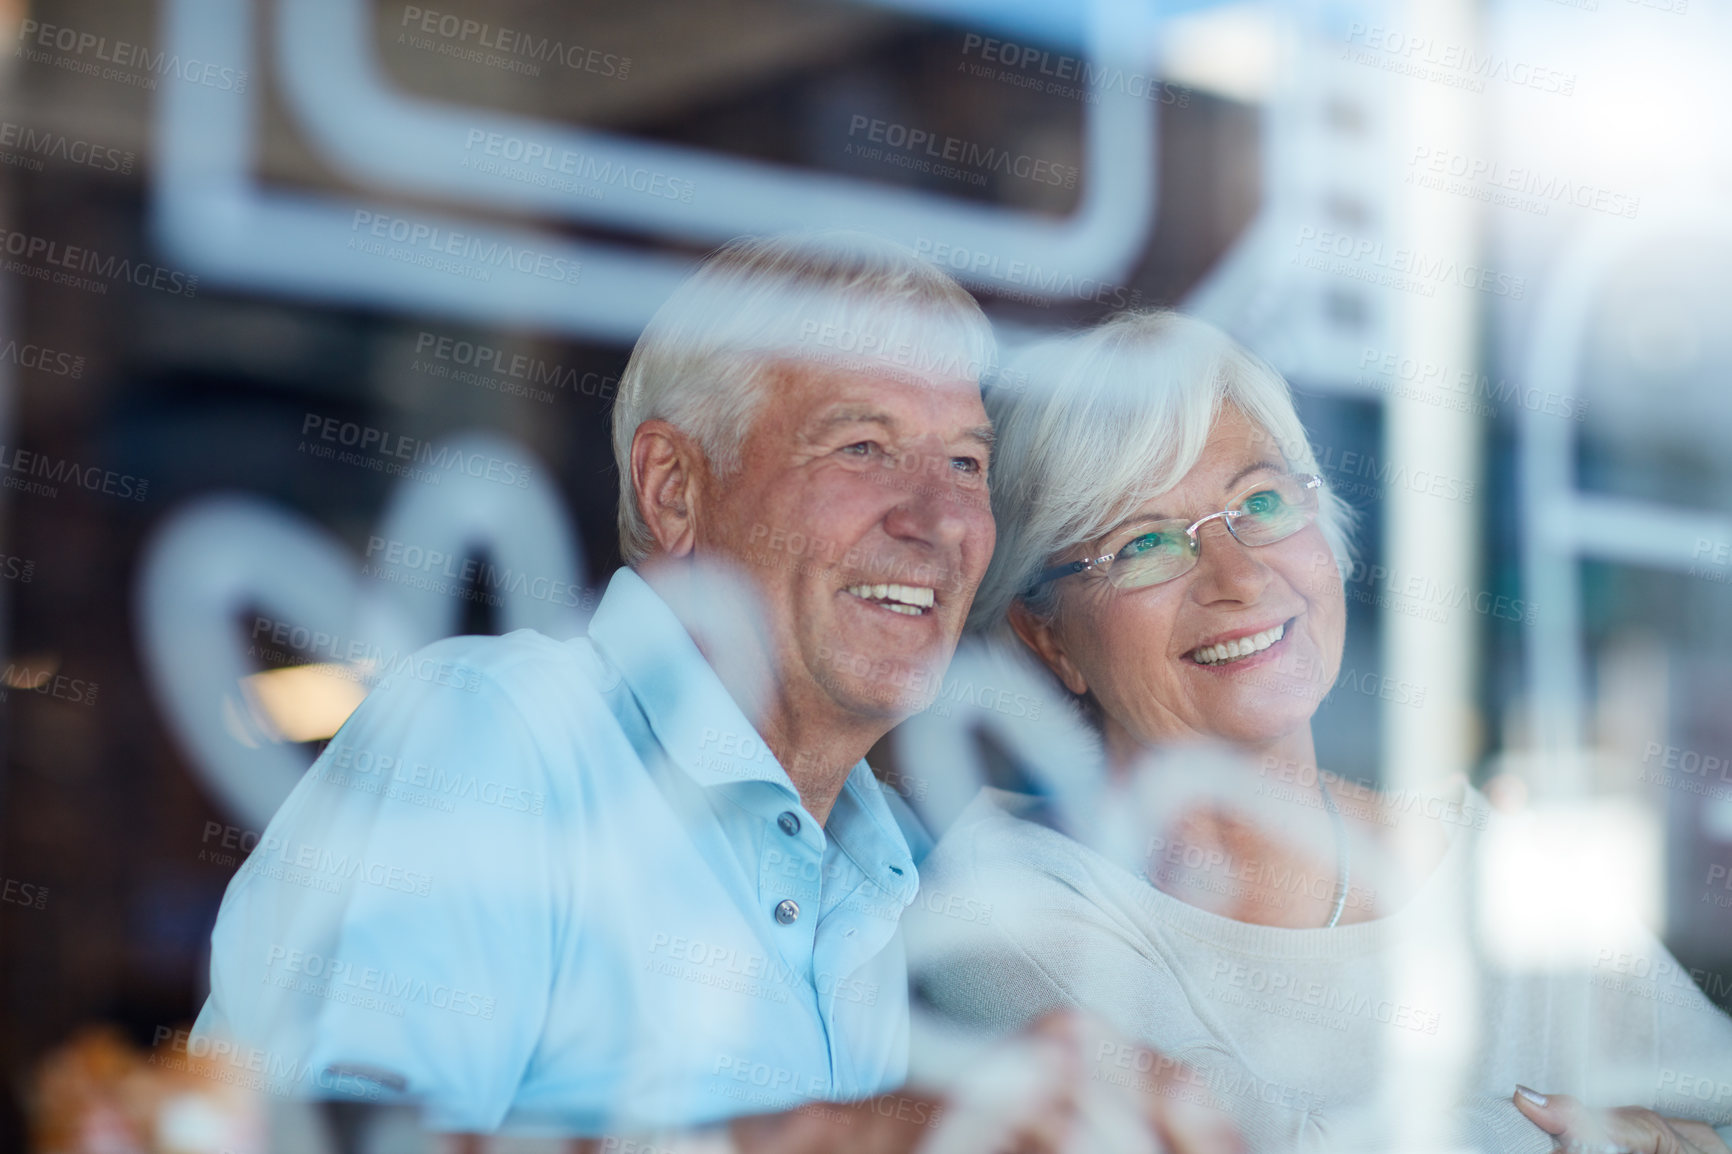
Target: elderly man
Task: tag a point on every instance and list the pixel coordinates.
(665, 887)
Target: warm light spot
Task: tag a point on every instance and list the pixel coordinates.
(305, 702)
(30, 672)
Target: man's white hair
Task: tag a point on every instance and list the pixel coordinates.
(706, 359)
(1105, 419)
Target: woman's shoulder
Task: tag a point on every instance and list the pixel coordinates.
(1001, 833)
(1001, 853)
(1015, 919)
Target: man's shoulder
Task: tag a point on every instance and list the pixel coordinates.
(523, 675)
(523, 661)
(480, 715)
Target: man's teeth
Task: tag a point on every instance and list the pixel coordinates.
(910, 599)
(1243, 647)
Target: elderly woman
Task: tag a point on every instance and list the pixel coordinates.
(1168, 552)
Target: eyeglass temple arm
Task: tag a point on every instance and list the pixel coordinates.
(1046, 576)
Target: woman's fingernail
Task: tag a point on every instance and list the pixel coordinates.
(1533, 1096)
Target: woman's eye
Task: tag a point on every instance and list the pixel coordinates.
(1141, 545)
(1258, 504)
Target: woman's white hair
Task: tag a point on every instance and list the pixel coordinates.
(846, 299)
(1105, 419)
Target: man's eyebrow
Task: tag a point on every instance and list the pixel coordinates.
(840, 417)
(982, 434)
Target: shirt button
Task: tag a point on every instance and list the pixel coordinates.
(790, 822)
(787, 911)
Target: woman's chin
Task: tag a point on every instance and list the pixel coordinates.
(1260, 722)
(1266, 698)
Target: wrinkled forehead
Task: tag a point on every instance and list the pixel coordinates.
(1236, 451)
(1173, 473)
(838, 374)
(1263, 442)
(890, 344)
(818, 390)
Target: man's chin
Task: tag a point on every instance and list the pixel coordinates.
(887, 711)
(889, 688)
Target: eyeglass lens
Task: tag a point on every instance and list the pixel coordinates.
(1159, 551)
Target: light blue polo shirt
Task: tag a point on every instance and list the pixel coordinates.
(565, 882)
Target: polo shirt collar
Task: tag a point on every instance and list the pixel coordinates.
(704, 731)
(690, 711)
(862, 826)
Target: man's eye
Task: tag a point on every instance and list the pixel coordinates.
(969, 465)
(861, 448)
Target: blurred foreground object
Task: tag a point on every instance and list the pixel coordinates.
(100, 1094)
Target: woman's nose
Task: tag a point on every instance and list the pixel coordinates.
(1227, 569)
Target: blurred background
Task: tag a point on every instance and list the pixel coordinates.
(311, 315)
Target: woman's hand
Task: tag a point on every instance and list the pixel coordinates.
(1624, 1130)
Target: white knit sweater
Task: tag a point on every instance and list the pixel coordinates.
(1300, 1032)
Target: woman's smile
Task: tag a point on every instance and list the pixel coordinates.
(1243, 648)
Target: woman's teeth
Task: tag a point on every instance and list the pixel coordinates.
(910, 599)
(1243, 647)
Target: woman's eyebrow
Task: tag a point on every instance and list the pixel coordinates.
(1157, 515)
(1133, 521)
(1248, 470)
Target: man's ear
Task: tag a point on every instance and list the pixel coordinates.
(1039, 635)
(667, 470)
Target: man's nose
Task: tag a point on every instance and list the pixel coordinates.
(941, 505)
